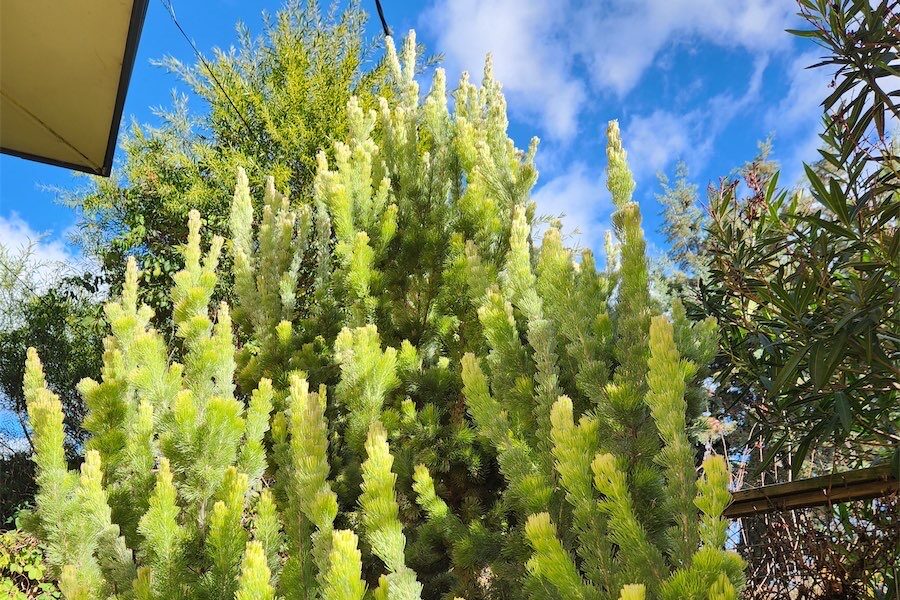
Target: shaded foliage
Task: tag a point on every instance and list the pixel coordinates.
(806, 287)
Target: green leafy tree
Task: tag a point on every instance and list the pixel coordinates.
(270, 105)
(805, 282)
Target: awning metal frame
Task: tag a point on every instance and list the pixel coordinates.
(135, 26)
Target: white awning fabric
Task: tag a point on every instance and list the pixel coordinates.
(64, 71)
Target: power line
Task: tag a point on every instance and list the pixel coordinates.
(384, 25)
(171, 10)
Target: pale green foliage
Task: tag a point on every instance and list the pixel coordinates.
(163, 536)
(254, 581)
(310, 503)
(401, 339)
(368, 374)
(343, 580)
(193, 522)
(667, 382)
(267, 528)
(363, 219)
(633, 303)
(550, 560)
(722, 589)
(621, 480)
(383, 529)
(73, 513)
(633, 591)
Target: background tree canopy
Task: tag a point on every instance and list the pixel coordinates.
(269, 106)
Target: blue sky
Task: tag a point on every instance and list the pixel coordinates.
(701, 80)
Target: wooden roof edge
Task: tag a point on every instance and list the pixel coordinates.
(859, 484)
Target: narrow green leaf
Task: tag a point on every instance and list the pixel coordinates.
(789, 370)
(842, 407)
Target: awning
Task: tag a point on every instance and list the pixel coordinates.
(64, 71)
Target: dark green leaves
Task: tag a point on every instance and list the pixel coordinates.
(806, 290)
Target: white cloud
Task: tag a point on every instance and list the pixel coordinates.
(801, 105)
(541, 47)
(531, 56)
(49, 257)
(655, 140)
(579, 195)
(619, 39)
(798, 115)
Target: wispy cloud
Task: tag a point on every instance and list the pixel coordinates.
(530, 51)
(48, 256)
(580, 198)
(620, 39)
(551, 54)
(796, 119)
(654, 141)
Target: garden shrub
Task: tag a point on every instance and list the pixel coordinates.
(402, 415)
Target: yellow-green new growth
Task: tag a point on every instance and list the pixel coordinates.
(633, 303)
(163, 536)
(227, 538)
(46, 417)
(254, 582)
(267, 528)
(357, 194)
(712, 499)
(550, 560)
(82, 544)
(530, 487)
(619, 180)
(379, 512)
(343, 579)
(722, 589)
(641, 560)
(666, 380)
(574, 446)
(310, 489)
(368, 375)
(633, 591)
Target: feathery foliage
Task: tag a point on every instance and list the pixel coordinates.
(402, 415)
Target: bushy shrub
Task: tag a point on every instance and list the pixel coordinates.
(402, 418)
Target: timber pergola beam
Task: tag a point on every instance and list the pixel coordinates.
(861, 484)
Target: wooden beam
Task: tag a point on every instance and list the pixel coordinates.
(861, 484)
